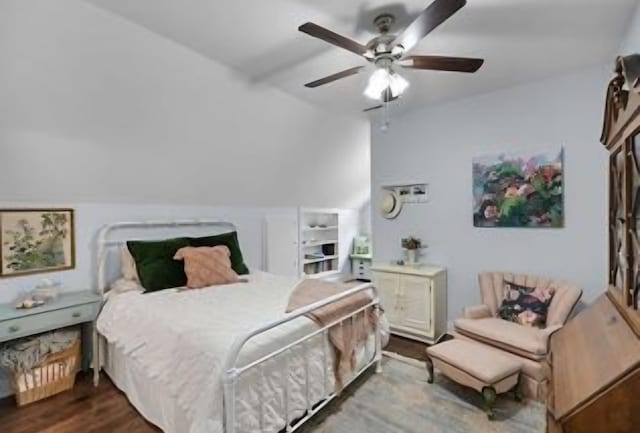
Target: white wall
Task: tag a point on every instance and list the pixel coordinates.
(436, 145)
(631, 42)
(94, 108)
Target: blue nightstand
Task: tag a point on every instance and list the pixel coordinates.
(75, 308)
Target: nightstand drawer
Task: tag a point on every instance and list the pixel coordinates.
(41, 322)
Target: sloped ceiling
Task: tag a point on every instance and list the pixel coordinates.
(521, 40)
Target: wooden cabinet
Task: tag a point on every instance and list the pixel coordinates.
(388, 285)
(595, 366)
(595, 358)
(414, 299)
(416, 293)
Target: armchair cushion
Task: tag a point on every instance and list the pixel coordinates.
(527, 306)
(564, 300)
(477, 312)
(529, 342)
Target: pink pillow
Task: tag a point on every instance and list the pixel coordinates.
(207, 266)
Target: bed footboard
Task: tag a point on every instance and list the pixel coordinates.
(233, 371)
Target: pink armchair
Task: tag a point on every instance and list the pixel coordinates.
(529, 345)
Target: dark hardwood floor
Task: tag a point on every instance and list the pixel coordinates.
(84, 409)
(409, 348)
(105, 409)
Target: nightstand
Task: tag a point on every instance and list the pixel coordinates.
(361, 266)
(74, 308)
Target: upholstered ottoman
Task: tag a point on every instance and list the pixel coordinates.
(476, 366)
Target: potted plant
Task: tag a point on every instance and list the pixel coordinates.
(411, 245)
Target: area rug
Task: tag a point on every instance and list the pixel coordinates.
(400, 400)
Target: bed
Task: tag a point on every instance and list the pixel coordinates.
(224, 359)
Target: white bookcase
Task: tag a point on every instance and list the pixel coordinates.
(319, 242)
(308, 242)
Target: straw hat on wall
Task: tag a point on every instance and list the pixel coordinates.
(390, 204)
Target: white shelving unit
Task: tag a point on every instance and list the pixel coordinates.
(319, 242)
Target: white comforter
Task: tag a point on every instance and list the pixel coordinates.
(183, 338)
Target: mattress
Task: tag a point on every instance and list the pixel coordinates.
(172, 369)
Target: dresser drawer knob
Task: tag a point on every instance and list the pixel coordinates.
(76, 314)
(14, 328)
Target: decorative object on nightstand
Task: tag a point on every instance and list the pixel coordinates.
(68, 309)
(361, 258)
(412, 247)
(414, 299)
(46, 291)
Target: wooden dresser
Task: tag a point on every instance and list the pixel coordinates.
(595, 358)
(596, 373)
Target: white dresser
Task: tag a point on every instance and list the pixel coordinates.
(414, 299)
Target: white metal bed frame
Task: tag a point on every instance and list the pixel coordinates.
(233, 371)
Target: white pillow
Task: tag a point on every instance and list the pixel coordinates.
(128, 265)
(122, 286)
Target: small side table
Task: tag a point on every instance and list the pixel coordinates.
(361, 266)
(73, 308)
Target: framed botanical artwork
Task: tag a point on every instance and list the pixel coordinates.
(519, 190)
(36, 240)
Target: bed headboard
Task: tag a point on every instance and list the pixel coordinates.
(112, 236)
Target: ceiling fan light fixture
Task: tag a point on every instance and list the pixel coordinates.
(397, 51)
(383, 80)
(398, 84)
(369, 54)
(378, 83)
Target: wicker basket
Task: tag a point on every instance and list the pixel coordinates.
(55, 375)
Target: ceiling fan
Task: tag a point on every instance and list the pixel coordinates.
(389, 52)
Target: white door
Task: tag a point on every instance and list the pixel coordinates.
(282, 245)
(388, 287)
(415, 294)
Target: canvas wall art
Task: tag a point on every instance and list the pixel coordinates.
(36, 240)
(519, 190)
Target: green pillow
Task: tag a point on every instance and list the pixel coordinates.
(154, 261)
(230, 240)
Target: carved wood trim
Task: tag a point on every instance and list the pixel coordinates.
(621, 125)
(622, 104)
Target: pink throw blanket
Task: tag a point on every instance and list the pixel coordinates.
(346, 336)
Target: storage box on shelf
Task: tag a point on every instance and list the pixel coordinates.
(56, 374)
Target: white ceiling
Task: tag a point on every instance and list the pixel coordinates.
(521, 40)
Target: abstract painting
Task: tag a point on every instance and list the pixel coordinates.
(519, 190)
(36, 240)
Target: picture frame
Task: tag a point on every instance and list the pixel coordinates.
(34, 241)
(519, 189)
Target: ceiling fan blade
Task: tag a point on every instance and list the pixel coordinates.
(429, 19)
(372, 108)
(334, 77)
(443, 63)
(333, 38)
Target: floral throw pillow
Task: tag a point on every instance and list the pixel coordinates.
(525, 305)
